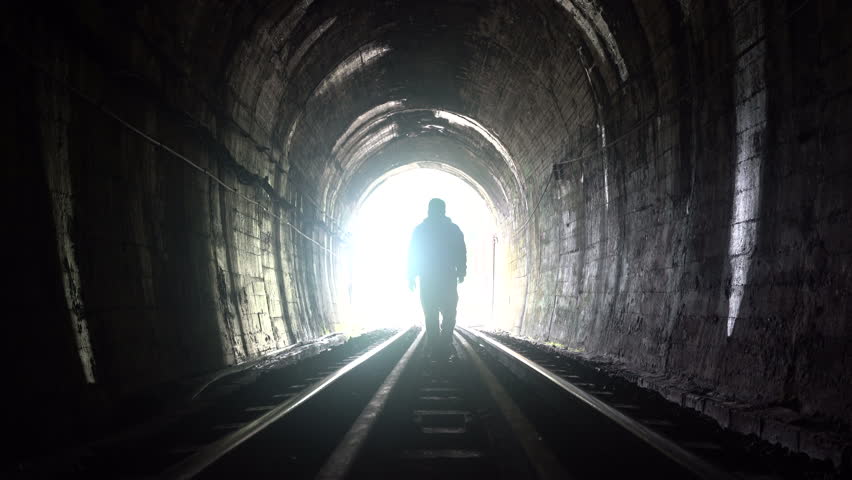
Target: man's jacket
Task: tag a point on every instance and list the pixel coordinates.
(437, 251)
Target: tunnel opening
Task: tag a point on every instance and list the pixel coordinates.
(398, 143)
(371, 282)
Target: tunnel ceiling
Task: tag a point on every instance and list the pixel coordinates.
(332, 84)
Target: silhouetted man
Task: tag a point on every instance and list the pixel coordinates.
(439, 257)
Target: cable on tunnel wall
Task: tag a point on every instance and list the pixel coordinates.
(265, 149)
(537, 204)
(106, 111)
(336, 222)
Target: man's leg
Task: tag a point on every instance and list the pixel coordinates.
(430, 313)
(448, 318)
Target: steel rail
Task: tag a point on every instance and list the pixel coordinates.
(343, 457)
(203, 458)
(667, 447)
(541, 457)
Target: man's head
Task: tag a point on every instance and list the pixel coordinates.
(437, 207)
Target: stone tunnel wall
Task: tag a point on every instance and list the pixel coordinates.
(722, 201)
(166, 272)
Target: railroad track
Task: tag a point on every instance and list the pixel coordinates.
(463, 418)
(219, 408)
(498, 408)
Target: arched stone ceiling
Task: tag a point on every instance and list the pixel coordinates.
(335, 83)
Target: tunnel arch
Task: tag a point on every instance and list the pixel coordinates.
(437, 126)
(433, 139)
(626, 241)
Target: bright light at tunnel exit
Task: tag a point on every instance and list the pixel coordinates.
(373, 278)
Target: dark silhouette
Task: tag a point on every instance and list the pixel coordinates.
(438, 256)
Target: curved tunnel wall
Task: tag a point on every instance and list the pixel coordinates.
(670, 158)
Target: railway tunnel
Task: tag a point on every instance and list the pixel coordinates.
(668, 184)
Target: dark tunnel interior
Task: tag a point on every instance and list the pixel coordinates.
(670, 183)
